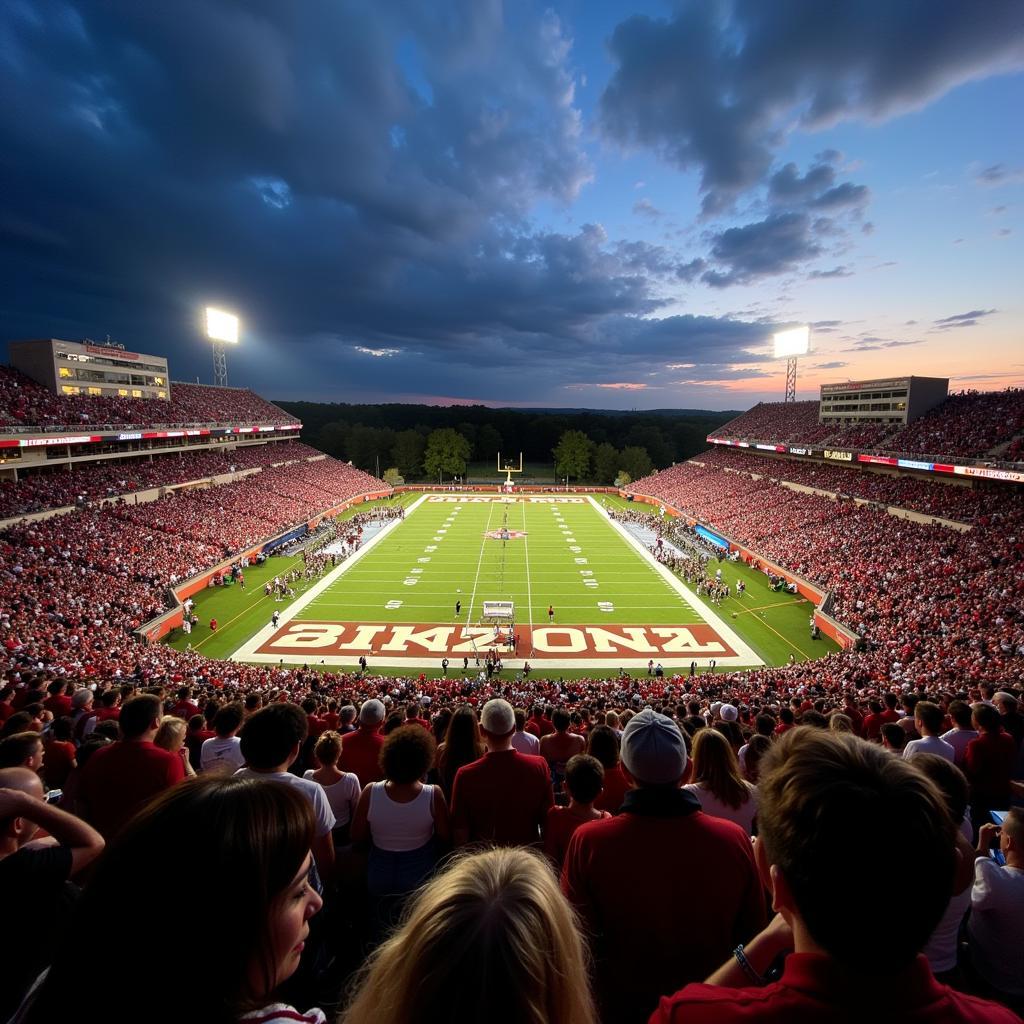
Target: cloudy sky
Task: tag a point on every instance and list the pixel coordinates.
(604, 204)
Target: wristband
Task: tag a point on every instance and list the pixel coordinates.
(748, 970)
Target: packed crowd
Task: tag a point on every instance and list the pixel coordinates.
(932, 604)
(929, 497)
(26, 403)
(402, 852)
(59, 487)
(968, 424)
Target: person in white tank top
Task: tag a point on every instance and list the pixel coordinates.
(402, 822)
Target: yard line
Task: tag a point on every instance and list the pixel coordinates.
(529, 591)
(479, 561)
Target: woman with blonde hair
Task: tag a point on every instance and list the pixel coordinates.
(171, 737)
(717, 782)
(492, 939)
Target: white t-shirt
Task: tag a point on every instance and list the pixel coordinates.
(929, 745)
(342, 796)
(221, 755)
(526, 743)
(313, 792)
(997, 910)
(710, 804)
(958, 740)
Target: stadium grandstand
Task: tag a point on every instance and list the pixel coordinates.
(972, 424)
(922, 575)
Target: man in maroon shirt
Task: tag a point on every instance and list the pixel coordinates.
(833, 806)
(360, 750)
(502, 798)
(989, 763)
(118, 780)
(664, 890)
(538, 723)
(185, 707)
(59, 701)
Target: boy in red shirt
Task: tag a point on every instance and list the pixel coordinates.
(834, 806)
(584, 778)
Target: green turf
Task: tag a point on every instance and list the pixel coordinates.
(441, 554)
(534, 572)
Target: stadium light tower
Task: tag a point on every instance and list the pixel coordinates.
(221, 329)
(789, 345)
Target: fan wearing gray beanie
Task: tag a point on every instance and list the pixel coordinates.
(662, 847)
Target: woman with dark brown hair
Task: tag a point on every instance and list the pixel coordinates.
(462, 745)
(403, 821)
(249, 835)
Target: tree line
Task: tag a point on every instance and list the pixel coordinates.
(419, 442)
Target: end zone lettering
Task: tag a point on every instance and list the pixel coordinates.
(579, 642)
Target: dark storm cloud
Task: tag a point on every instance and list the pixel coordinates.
(356, 183)
(777, 244)
(715, 87)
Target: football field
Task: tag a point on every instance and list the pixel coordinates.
(585, 594)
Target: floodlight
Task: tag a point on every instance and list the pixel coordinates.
(221, 326)
(794, 342)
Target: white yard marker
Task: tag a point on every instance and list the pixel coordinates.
(479, 562)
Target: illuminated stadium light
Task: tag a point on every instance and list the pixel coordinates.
(788, 345)
(221, 328)
(794, 342)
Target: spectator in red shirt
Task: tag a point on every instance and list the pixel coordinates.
(59, 701)
(603, 744)
(989, 764)
(584, 776)
(412, 716)
(60, 754)
(538, 723)
(360, 750)
(185, 707)
(120, 778)
(833, 806)
(503, 798)
(645, 947)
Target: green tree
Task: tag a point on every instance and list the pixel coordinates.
(606, 463)
(488, 444)
(447, 452)
(367, 445)
(572, 454)
(622, 480)
(407, 452)
(635, 462)
(332, 439)
(650, 437)
(393, 478)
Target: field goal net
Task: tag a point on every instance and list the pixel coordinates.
(499, 613)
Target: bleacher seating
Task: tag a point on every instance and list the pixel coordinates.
(57, 487)
(26, 404)
(969, 424)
